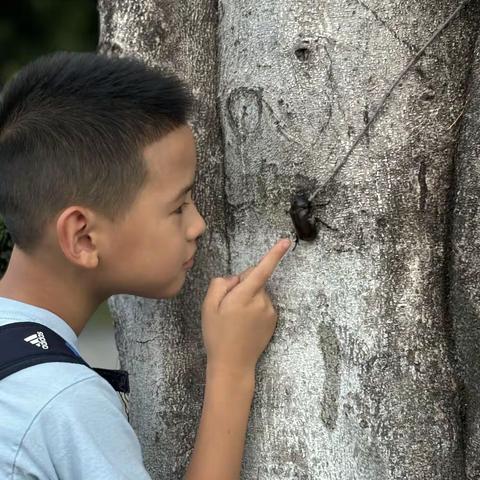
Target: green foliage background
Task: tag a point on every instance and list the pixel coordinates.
(30, 28)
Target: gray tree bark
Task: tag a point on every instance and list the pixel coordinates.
(465, 271)
(360, 380)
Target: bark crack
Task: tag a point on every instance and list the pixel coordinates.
(422, 173)
(148, 340)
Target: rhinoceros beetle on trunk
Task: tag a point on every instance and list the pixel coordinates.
(306, 225)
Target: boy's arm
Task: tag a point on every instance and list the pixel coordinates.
(220, 440)
(238, 321)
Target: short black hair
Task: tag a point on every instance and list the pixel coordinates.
(72, 129)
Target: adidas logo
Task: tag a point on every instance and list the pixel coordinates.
(37, 339)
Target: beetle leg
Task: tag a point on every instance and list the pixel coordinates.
(322, 204)
(296, 242)
(326, 224)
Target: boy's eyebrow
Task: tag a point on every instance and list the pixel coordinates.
(182, 192)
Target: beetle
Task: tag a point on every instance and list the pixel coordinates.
(301, 213)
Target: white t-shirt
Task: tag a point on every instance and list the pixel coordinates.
(62, 421)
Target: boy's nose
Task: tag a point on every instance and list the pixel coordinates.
(203, 225)
(198, 227)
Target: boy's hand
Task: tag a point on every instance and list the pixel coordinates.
(238, 318)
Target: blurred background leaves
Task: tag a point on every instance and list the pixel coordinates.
(30, 28)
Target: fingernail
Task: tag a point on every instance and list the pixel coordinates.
(285, 243)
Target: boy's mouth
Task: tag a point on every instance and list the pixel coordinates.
(189, 262)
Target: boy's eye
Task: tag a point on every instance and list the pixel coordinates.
(179, 210)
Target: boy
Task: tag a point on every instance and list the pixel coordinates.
(97, 164)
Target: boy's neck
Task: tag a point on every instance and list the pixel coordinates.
(26, 281)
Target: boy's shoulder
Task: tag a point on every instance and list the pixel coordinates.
(35, 370)
(59, 413)
(37, 393)
(34, 384)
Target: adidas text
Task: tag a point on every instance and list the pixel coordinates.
(37, 339)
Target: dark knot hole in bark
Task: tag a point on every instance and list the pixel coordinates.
(302, 53)
(116, 49)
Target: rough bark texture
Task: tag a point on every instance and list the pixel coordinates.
(465, 270)
(160, 342)
(359, 381)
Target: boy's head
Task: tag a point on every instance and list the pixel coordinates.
(93, 154)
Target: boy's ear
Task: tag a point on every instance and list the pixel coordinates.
(75, 229)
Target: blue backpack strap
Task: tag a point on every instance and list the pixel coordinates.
(23, 344)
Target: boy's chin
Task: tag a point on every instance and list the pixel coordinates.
(160, 292)
(173, 290)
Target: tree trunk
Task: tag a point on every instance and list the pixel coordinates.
(465, 271)
(359, 381)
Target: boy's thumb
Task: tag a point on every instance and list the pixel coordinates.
(220, 288)
(230, 282)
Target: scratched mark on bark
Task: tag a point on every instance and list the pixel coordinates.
(382, 22)
(422, 173)
(244, 110)
(412, 47)
(330, 347)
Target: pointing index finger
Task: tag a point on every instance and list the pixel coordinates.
(260, 274)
